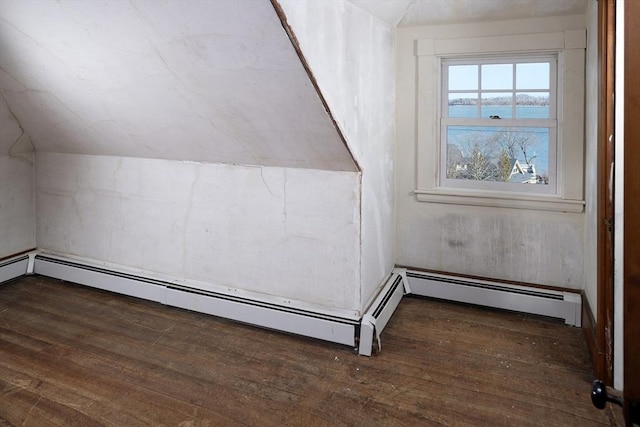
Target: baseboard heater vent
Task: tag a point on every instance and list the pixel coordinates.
(272, 316)
(379, 314)
(563, 305)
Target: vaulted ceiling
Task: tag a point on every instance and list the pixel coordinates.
(212, 81)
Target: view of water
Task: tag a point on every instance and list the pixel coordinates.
(540, 148)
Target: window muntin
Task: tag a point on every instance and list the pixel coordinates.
(498, 124)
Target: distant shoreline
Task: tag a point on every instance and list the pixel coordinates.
(522, 100)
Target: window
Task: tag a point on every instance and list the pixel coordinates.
(498, 124)
(500, 121)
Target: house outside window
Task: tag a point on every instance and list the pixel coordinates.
(501, 121)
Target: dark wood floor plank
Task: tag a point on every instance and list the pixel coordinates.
(71, 355)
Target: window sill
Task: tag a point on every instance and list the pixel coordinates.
(500, 200)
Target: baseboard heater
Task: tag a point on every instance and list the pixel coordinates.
(358, 333)
(361, 334)
(379, 314)
(272, 316)
(14, 267)
(563, 305)
(308, 323)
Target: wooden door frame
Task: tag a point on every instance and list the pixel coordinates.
(631, 214)
(599, 331)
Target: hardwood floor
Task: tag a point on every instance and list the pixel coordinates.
(71, 355)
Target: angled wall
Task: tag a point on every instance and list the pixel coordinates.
(208, 81)
(17, 186)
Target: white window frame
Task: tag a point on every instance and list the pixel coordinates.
(550, 123)
(566, 191)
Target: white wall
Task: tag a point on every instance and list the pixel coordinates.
(591, 160)
(17, 178)
(289, 234)
(352, 55)
(539, 247)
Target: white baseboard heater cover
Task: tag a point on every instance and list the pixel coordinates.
(13, 268)
(267, 315)
(563, 305)
(379, 314)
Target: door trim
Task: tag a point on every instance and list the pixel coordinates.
(602, 328)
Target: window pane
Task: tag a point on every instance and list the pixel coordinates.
(514, 155)
(463, 77)
(532, 105)
(496, 105)
(497, 76)
(463, 105)
(532, 75)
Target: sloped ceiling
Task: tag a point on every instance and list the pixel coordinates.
(11, 135)
(405, 13)
(212, 81)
